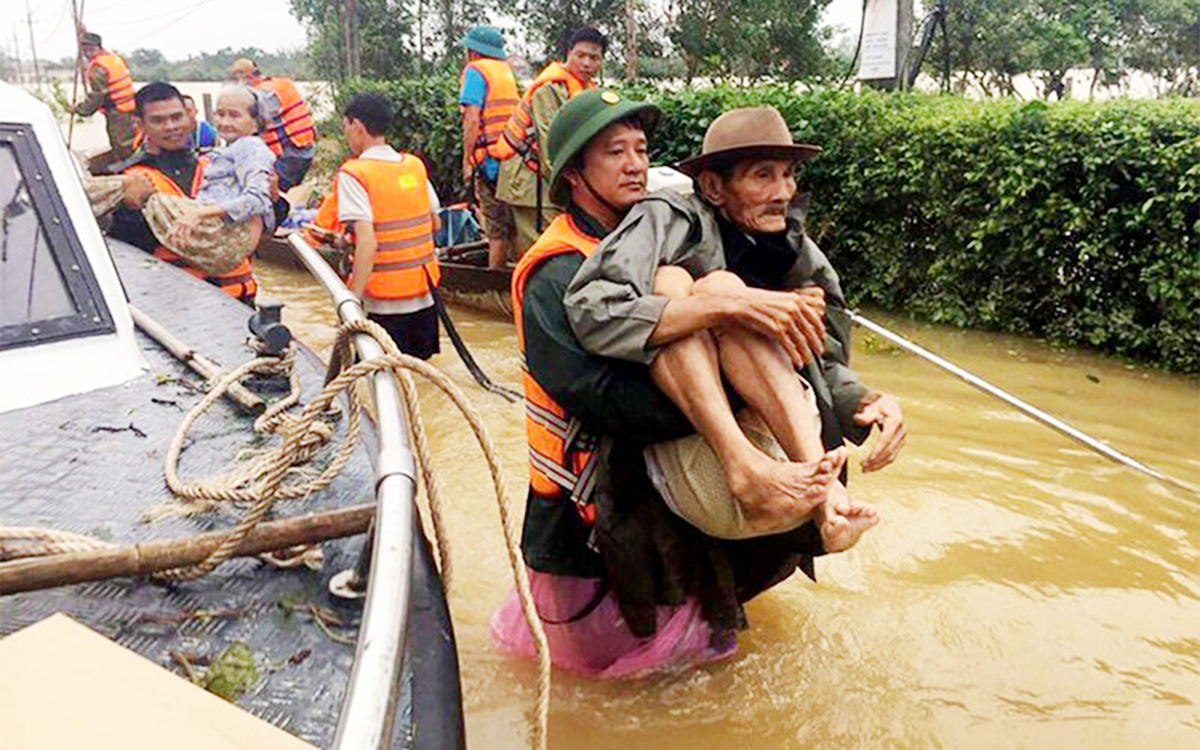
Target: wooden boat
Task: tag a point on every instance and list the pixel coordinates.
(88, 408)
(466, 279)
(468, 282)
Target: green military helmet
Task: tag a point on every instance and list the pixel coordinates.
(579, 121)
(486, 40)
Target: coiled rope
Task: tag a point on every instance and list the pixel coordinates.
(260, 480)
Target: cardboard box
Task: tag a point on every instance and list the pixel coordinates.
(63, 685)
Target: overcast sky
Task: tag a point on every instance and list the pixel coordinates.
(180, 28)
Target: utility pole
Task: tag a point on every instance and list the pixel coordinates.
(37, 77)
(631, 41)
(20, 78)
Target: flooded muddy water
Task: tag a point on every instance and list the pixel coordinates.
(1021, 591)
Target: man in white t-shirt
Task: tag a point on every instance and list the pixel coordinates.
(385, 198)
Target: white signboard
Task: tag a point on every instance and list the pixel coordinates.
(878, 54)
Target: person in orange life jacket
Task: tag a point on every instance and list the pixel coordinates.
(110, 88)
(520, 145)
(288, 126)
(386, 200)
(622, 585)
(168, 163)
(487, 97)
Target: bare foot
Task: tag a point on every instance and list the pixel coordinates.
(779, 493)
(843, 520)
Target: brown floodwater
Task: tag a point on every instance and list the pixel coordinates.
(1021, 590)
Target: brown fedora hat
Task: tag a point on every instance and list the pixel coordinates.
(744, 133)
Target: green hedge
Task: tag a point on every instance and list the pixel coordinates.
(1075, 222)
(426, 123)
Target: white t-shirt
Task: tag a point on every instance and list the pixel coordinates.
(355, 205)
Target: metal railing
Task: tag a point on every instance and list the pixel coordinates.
(368, 708)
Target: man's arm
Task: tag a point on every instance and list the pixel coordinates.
(471, 99)
(610, 302)
(268, 109)
(355, 210)
(607, 395)
(546, 102)
(97, 93)
(470, 136)
(857, 407)
(365, 246)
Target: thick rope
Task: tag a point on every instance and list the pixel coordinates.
(261, 483)
(264, 476)
(399, 363)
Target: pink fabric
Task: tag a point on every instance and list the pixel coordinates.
(600, 644)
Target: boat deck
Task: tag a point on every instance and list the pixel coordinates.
(93, 464)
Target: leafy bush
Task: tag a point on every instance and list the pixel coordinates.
(426, 123)
(1075, 222)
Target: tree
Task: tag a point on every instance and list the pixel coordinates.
(750, 38)
(991, 41)
(550, 23)
(1164, 39)
(384, 30)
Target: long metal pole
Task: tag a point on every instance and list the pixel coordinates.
(368, 708)
(1017, 403)
(74, 78)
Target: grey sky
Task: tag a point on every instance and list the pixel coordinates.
(180, 28)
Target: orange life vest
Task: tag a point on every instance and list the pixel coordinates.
(403, 222)
(120, 83)
(326, 218)
(562, 458)
(237, 283)
(500, 102)
(293, 121)
(520, 133)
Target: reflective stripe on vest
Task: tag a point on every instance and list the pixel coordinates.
(239, 281)
(501, 98)
(520, 133)
(293, 121)
(403, 225)
(562, 457)
(120, 84)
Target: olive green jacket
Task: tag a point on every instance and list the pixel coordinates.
(517, 184)
(613, 311)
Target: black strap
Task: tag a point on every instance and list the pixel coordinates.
(601, 592)
(538, 221)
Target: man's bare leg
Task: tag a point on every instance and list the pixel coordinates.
(762, 374)
(688, 371)
(497, 250)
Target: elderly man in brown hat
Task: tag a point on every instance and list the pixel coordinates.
(724, 287)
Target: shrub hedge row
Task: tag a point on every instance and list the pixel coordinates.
(1075, 222)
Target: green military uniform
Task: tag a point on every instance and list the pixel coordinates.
(121, 126)
(517, 185)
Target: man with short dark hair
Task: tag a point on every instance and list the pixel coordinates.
(168, 163)
(110, 88)
(204, 135)
(524, 173)
(384, 198)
